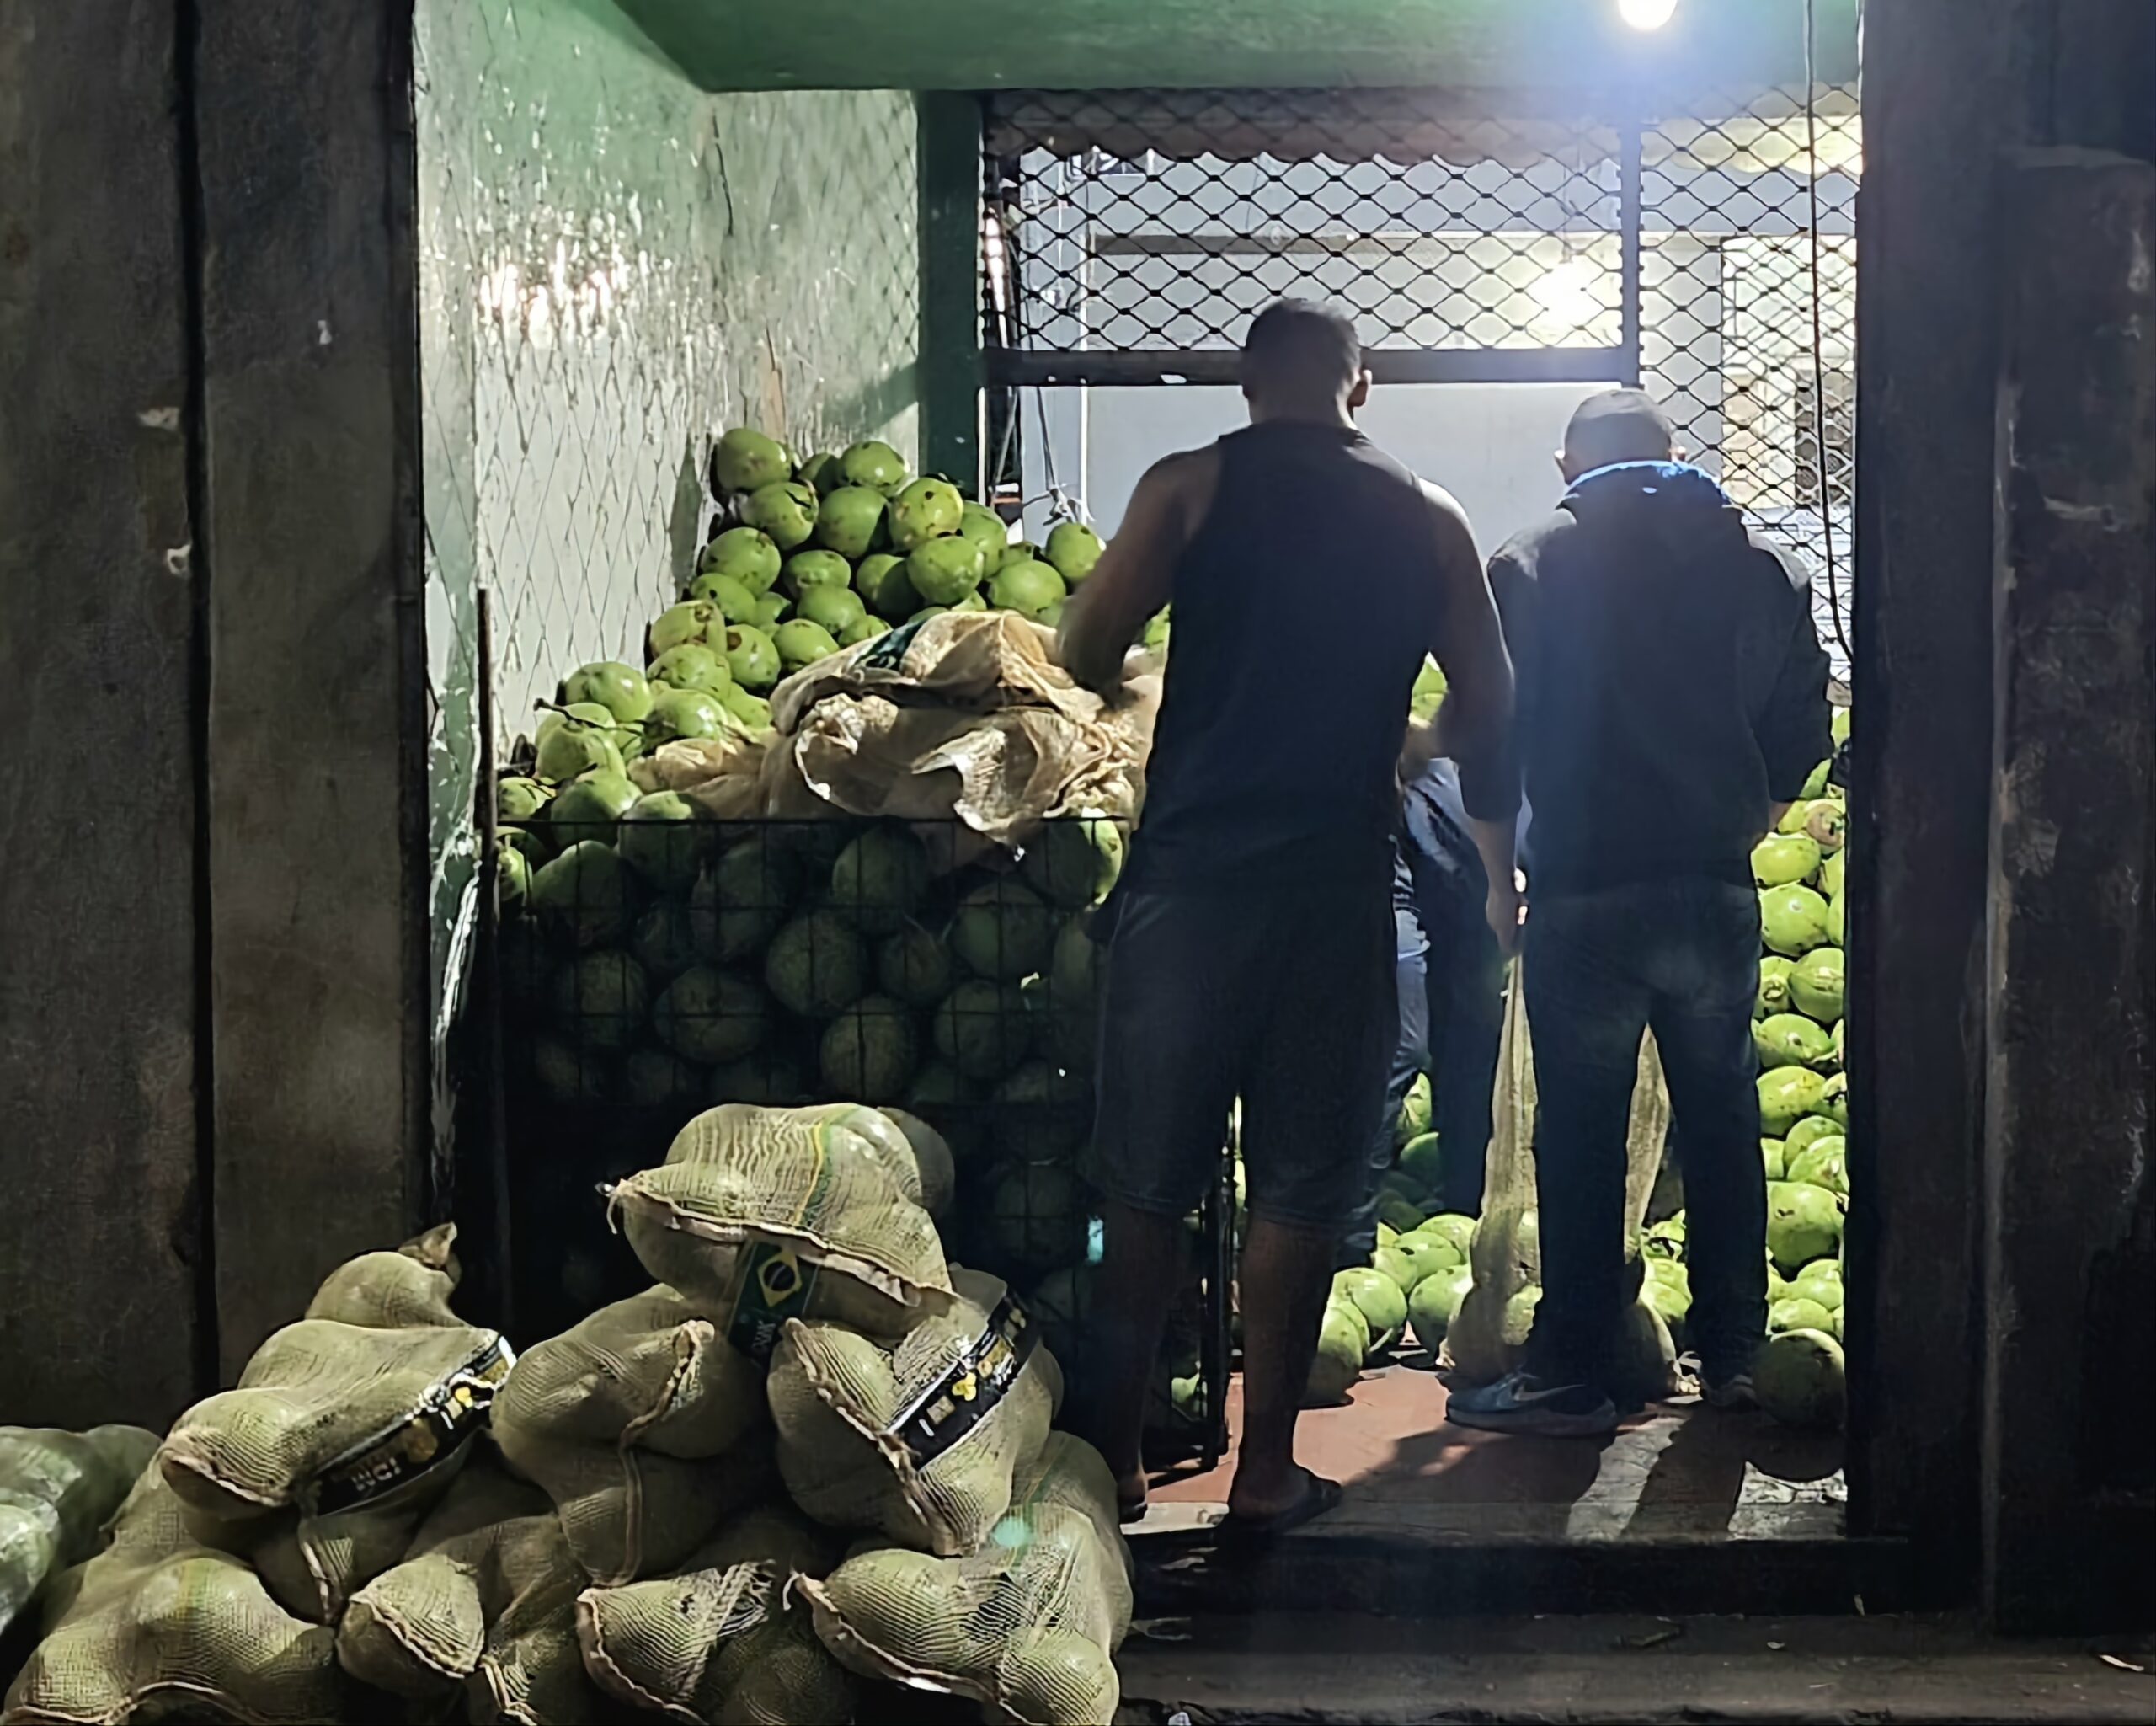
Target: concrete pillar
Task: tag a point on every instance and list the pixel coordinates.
(317, 716)
(2069, 1521)
(100, 1234)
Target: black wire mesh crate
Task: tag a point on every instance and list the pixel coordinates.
(658, 964)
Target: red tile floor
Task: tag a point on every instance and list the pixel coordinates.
(1677, 1468)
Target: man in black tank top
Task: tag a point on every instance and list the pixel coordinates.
(1251, 951)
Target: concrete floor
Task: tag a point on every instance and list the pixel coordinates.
(1677, 1469)
(1323, 1668)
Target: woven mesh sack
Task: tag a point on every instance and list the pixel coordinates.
(1027, 1627)
(644, 1426)
(831, 1197)
(420, 1628)
(339, 1437)
(918, 1440)
(159, 1625)
(936, 1170)
(394, 1290)
(531, 1670)
(722, 1640)
(1485, 1341)
(57, 1491)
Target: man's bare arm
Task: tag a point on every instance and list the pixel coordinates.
(1135, 576)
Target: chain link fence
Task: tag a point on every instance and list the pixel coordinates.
(1705, 250)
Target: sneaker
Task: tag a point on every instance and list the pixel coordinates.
(1520, 1402)
(1732, 1394)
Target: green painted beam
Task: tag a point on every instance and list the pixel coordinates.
(950, 365)
(985, 44)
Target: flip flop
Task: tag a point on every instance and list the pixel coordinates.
(1126, 1511)
(1318, 1496)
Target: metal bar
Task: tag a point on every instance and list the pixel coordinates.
(1630, 176)
(949, 144)
(1016, 368)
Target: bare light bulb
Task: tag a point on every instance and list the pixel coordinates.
(1646, 14)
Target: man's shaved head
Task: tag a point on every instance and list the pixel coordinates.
(1301, 354)
(1623, 425)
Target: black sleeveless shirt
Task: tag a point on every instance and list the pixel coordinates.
(1303, 605)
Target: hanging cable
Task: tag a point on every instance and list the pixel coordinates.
(1819, 325)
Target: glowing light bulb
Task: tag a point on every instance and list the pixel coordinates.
(1646, 14)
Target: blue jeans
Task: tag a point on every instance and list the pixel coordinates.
(1450, 984)
(1681, 957)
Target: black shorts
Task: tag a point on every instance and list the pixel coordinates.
(1283, 997)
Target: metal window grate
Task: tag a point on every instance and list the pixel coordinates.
(1704, 249)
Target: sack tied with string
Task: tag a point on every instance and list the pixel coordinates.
(159, 1625)
(343, 1432)
(1486, 1339)
(724, 1640)
(1027, 1627)
(644, 1426)
(762, 1215)
(57, 1491)
(920, 1440)
(482, 1611)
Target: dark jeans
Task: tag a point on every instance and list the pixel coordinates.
(1682, 956)
(1450, 984)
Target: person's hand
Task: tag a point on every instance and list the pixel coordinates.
(1422, 747)
(1506, 910)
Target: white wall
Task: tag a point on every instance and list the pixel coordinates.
(1489, 445)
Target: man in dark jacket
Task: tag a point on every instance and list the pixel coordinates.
(1672, 702)
(1449, 978)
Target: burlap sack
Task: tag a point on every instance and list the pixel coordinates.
(644, 1426)
(964, 715)
(920, 1440)
(340, 1436)
(722, 1640)
(1027, 1627)
(1486, 1339)
(57, 1491)
(395, 1291)
(158, 1625)
(418, 1629)
(759, 1214)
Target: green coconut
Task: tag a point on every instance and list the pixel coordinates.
(752, 657)
(1785, 859)
(1073, 549)
(879, 878)
(666, 839)
(746, 555)
(1824, 1164)
(1803, 1223)
(1818, 983)
(837, 609)
(801, 643)
(785, 511)
(693, 667)
(1027, 588)
(1773, 987)
(1791, 1040)
(696, 621)
(1786, 1095)
(1793, 919)
(875, 465)
(1800, 1379)
(926, 509)
(882, 582)
(620, 689)
(710, 1016)
(946, 571)
(745, 460)
(849, 520)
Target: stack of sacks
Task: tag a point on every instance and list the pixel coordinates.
(270, 1504)
(1027, 1624)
